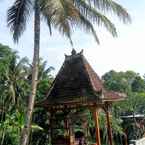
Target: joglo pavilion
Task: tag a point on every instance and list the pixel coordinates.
(77, 86)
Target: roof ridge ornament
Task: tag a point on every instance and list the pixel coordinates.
(73, 52)
(81, 52)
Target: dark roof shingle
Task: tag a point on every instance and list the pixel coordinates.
(76, 81)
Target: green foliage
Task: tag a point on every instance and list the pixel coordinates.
(10, 129)
(13, 86)
(118, 81)
(138, 84)
(15, 78)
(130, 83)
(133, 85)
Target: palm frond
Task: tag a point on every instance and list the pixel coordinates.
(111, 6)
(65, 15)
(76, 18)
(56, 13)
(94, 16)
(22, 62)
(48, 21)
(87, 26)
(17, 17)
(121, 12)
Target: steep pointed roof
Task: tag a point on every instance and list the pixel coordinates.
(77, 82)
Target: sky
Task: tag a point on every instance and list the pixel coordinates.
(126, 52)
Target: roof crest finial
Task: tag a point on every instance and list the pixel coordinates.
(73, 52)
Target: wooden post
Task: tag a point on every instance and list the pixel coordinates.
(96, 119)
(52, 117)
(125, 138)
(71, 134)
(49, 124)
(110, 136)
(51, 129)
(66, 126)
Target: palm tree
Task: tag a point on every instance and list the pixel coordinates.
(63, 15)
(13, 91)
(12, 78)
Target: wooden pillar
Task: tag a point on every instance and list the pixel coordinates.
(66, 125)
(49, 125)
(96, 119)
(52, 117)
(125, 138)
(51, 130)
(109, 129)
(71, 137)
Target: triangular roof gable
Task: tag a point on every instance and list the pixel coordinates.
(75, 82)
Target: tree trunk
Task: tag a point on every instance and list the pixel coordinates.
(26, 130)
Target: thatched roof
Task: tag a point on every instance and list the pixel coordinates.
(77, 82)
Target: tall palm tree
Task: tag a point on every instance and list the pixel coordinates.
(63, 15)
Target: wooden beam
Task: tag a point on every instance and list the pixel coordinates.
(73, 105)
(109, 129)
(96, 119)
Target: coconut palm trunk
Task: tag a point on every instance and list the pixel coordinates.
(26, 131)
